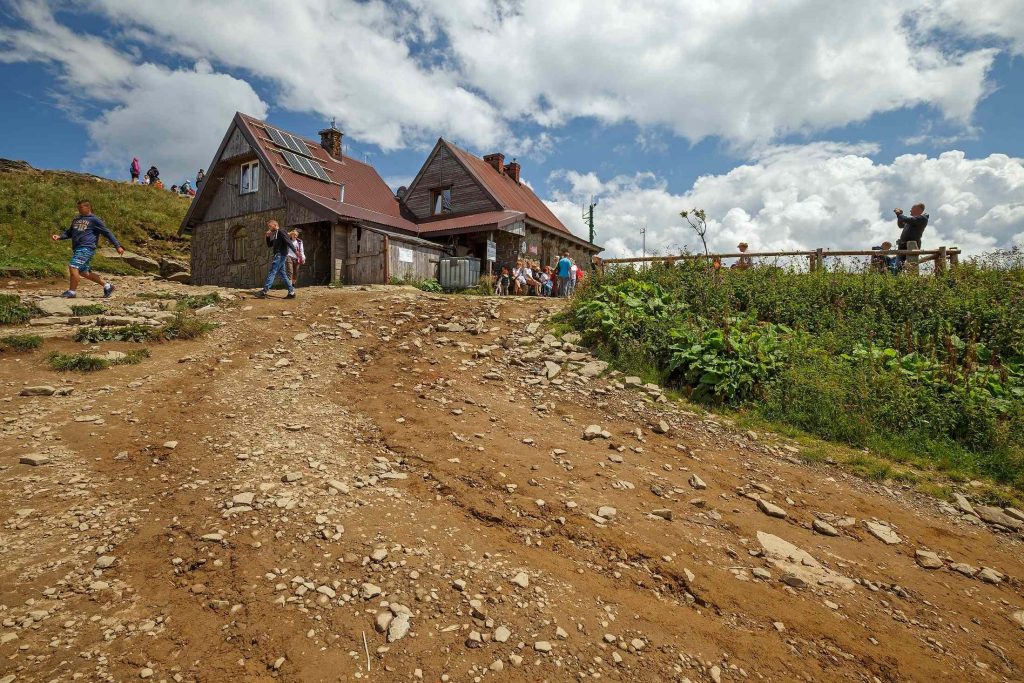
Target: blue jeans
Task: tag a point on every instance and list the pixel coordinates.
(277, 267)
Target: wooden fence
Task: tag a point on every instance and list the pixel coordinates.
(943, 257)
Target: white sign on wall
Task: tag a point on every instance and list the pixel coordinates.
(405, 255)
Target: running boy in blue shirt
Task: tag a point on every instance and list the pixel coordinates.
(84, 234)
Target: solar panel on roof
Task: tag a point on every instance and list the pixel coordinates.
(289, 141)
(276, 136)
(305, 166)
(297, 145)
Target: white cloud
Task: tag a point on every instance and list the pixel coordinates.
(803, 197)
(353, 60)
(747, 71)
(173, 118)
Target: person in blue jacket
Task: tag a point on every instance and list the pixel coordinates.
(84, 233)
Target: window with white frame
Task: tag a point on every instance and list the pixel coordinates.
(250, 178)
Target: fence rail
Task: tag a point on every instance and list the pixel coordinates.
(942, 257)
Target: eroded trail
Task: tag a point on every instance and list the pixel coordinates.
(415, 470)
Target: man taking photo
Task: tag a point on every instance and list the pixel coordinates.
(912, 227)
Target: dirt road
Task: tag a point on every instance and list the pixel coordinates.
(387, 485)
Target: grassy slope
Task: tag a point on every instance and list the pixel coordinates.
(34, 204)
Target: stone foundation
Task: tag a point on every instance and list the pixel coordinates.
(212, 258)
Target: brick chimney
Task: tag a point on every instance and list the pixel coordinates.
(330, 139)
(497, 160)
(512, 170)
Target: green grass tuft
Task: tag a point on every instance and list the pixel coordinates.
(20, 342)
(194, 301)
(76, 362)
(128, 333)
(87, 362)
(186, 326)
(13, 312)
(88, 309)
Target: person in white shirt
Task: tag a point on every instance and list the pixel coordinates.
(296, 257)
(571, 284)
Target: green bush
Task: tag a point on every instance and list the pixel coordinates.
(185, 325)
(426, 285)
(194, 301)
(20, 342)
(13, 312)
(88, 309)
(127, 333)
(87, 362)
(923, 369)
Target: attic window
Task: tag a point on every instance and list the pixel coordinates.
(441, 201)
(250, 178)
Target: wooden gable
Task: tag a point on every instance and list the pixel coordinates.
(218, 197)
(444, 170)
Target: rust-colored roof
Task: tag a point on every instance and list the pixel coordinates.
(366, 193)
(487, 219)
(510, 194)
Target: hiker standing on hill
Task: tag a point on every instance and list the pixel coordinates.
(281, 243)
(153, 174)
(84, 234)
(200, 177)
(135, 170)
(912, 227)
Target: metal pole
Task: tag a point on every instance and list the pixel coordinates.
(643, 235)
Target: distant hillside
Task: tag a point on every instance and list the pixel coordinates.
(35, 204)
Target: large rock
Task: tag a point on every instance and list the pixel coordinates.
(793, 561)
(882, 532)
(169, 267)
(184, 279)
(771, 509)
(994, 515)
(928, 560)
(1018, 616)
(593, 368)
(41, 390)
(54, 305)
(137, 261)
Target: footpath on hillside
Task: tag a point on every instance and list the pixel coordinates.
(383, 484)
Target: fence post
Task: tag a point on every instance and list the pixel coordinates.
(940, 261)
(819, 259)
(913, 265)
(954, 260)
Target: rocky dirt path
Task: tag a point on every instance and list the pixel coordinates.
(388, 485)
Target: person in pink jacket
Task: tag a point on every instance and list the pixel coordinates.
(136, 170)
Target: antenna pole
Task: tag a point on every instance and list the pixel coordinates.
(588, 217)
(643, 235)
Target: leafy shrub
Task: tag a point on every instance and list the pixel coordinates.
(194, 301)
(185, 325)
(426, 285)
(76, 362)
(726, 364)
(88, 309)
(127, 333)
(924, 369)
(20, 342)
(87, 362)
(13, 312)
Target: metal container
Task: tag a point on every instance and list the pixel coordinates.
(459, 272)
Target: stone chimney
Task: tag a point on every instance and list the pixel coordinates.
(512, 170)
(330, 139)
(497, 160)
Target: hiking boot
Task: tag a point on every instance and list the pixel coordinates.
(108, 289)
(68, 295)
(291, 295)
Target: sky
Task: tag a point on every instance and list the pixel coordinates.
(795, 124)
